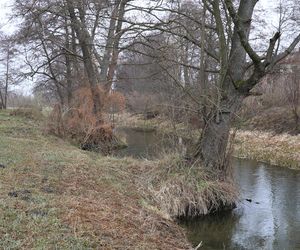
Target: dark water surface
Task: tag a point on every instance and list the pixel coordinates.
(270, 221)
(149, 145)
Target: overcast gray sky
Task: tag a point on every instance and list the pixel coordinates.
(4, 11)
(8, 27)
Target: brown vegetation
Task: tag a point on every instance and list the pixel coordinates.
(56, 196)
(181, 189)
(29, 112)
(282, 149)
(81, 124)
(278, 120)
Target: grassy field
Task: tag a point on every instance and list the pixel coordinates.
(56, 196)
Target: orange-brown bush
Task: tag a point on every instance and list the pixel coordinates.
(114, 101)
(82, 124)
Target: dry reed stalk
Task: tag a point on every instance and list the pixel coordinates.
(180, 190)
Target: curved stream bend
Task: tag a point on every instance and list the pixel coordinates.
(267, 217)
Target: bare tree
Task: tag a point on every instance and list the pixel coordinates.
(71, 42)
(9, 76)
(237, 65)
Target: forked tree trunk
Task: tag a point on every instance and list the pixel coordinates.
(235, 81)
(211, 148)
(104, 63)
(85, 43)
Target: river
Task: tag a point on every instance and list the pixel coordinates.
(267, 215)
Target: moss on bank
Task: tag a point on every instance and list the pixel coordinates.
(55, 196)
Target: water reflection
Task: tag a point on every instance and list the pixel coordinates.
(146, 144)
(270, 221)
(210, 229)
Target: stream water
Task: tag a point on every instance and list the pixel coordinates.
(267, 215)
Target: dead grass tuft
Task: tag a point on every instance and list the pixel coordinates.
(182, 190)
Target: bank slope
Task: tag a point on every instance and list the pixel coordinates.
(53, 195)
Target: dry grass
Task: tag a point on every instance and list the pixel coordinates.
(277, 149)
(281, 150)
(276, 119)
(181, 190)
(55, 196)
(32, 113)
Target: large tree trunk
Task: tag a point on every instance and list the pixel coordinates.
(85, 42)
(211, 148)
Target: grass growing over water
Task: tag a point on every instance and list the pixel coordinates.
(181, 189)
(276, 149)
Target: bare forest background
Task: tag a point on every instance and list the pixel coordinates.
(208, 64)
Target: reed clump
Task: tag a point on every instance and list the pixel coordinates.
(180, 189)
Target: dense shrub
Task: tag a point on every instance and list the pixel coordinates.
(80, 122)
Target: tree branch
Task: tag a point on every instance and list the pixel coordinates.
(243, 38)
(288, 51)
(270, 50)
